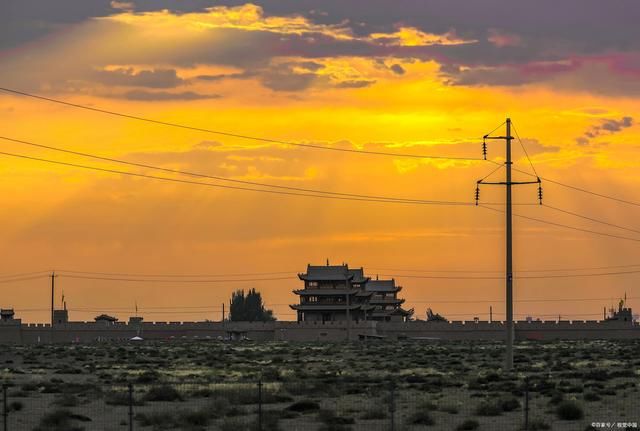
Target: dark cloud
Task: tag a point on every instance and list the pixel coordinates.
(287, 77)
(542, 27)
(613, 126)
(142, 95)
(299, 76)
(482, 76)
(22, 21)
(156, 78)
(581, 140)
(397, 69)
(223, 76)
(310, 65)
(604, 127)
(283, 81)
(282, 77)
(361, 83)
(613, 75)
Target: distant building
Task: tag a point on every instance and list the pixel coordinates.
(434, 317)
(385, 299)
(7, 314)
(623, 313)
(338, 293)
(105, 318)
(135, 320)
(60, 317)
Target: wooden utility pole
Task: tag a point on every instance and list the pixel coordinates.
(53, 291)
(509, 236)
(509, 275)
(348, 316)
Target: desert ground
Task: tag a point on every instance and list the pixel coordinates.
(377, 385)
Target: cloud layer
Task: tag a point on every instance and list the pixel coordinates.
(569, 46)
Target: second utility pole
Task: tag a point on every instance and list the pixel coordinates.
(53, 290)
(510, 336)
(509, 293)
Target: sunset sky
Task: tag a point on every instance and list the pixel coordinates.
(418, 77)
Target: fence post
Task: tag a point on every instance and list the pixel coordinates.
(130, 387)
(392, 405)
(259, 405)
(5, 412)
(526, 404)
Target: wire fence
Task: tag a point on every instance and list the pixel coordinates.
(492, 402)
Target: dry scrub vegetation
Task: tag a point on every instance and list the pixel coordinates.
(414, 385)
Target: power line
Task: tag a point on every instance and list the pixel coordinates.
(529, 314)
(176, 180)
(580, 275)
(68, 272)
(158, 280)
(199, 175)
(442, 277)
(120, 309)
(500, 166)
(23, 274)
(138, 275)
(254, 183)
(516, 277)
(496, 128)
(565, 226)
(175, 307)
(591, 192)
(494, 272)
(490, 301)
(569, 186)
(21, 93)
(591, 219)
(558, 314)
(110, 310)
(14, 280)
(524, 149)
(233, 135)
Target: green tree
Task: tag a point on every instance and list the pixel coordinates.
(248, 307)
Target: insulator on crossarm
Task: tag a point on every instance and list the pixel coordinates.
(539, 192)
(477, 194)
(484, 149)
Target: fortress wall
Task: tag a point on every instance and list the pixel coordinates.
(10, 331)
(590, 330)
(16, 332)
(316, 331)
(91, 331)
(523, 330)
(443, 330)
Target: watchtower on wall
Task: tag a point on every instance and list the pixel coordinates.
(7, 314)
(384, 297)
(622, 314)
(338, 293)
(60, 317)
(332, 293)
